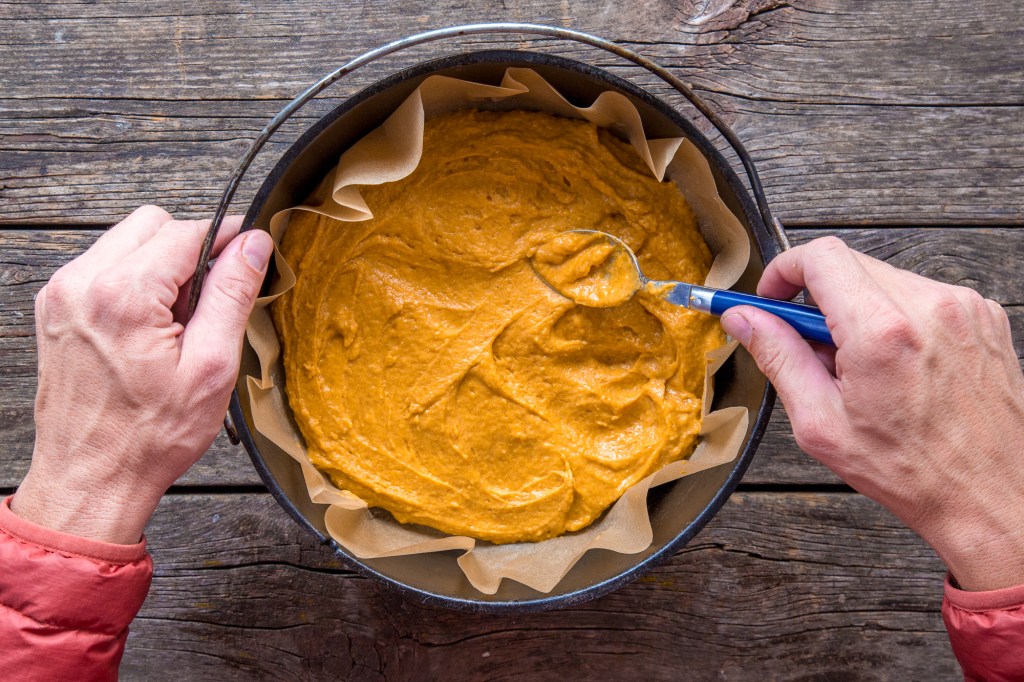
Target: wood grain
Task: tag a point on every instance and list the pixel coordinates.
(988, 260)
(787, 587)
(860, 114)
(825, 51)
(856, 113)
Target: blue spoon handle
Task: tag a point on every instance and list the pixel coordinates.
(806, 319)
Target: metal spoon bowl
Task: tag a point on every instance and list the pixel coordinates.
(596, 269)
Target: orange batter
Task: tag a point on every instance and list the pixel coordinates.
(431, 371)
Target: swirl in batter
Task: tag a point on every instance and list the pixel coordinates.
(433, 374)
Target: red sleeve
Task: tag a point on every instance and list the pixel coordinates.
(65, 601)
(986, 630)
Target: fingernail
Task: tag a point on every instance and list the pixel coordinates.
(257, 250)
(736, 326)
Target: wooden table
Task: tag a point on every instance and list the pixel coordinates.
(896, 124)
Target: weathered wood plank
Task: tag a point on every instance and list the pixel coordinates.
(986, 259)
(806, 51)
(110, 106)
(93, 161)
(788, 587)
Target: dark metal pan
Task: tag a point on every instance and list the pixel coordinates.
(678, 510)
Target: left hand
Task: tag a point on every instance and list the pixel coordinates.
(130, 395)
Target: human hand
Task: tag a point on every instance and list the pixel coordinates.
(129, 395)
(920, 407)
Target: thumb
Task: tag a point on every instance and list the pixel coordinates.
(213, 337)
(805, 385)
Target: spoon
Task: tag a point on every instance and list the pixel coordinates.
(596, 269)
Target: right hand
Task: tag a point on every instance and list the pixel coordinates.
(920, 406)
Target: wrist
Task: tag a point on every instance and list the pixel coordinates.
(95, 512)
(986, 553)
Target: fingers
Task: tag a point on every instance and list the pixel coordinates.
(827, 356)
(212, 341)
(1000, 322)
(175, 247)
(804, 382)
(838, 280)
(983, 319)
(122, 239)
(168, 260)
(228, 230)
(121, 243)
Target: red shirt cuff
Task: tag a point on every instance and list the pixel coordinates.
(65, 601)
(986, 631)
(63, 543)
(68, 582)
(990, 600)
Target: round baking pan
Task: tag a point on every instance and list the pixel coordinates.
(678, 510)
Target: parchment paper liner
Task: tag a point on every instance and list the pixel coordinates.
(391, 152)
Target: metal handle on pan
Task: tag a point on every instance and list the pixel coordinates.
(450, 32)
